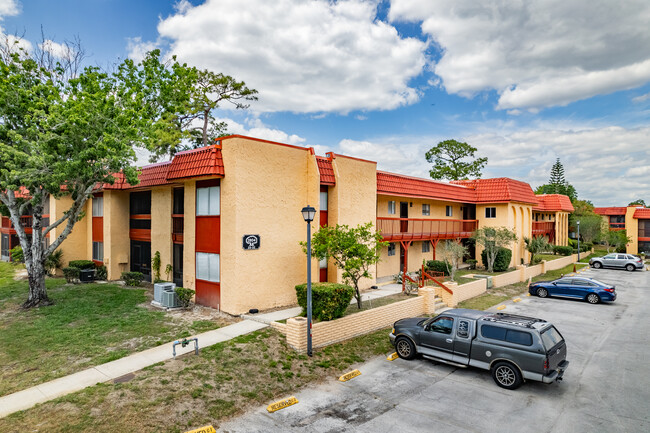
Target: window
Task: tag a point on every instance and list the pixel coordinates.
(140, 203)
(463, 329)
(323, 200)
(493, 332)
(551, 337)
(510, 335)
(391, 249)
(426, 209)
(542, 217)
(98, 251)
(140, 224)
(207, 267)
(442, 325)
(323, 264)
(490, 212)
(448, 210)
(426, 246)
(391, 208)
(207, 201)
(98, 206)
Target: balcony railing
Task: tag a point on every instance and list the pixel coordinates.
(543, 228)
(411, 229)
(177, 228)
(25, 222)
(616, 226)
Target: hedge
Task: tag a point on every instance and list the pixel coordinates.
(71, 274)
(82, 264)
(437, 266)
(563, 250)
(184, 296)
(502, 261)
(329, 300)
(132, 278)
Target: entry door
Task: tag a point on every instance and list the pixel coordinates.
(141, 258)
(178, 265)
(404, 213)
(437, 338)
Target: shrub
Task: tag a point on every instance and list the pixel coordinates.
(54, 261)
(17, 255)
(573, 243)
(71, 274)
(472, 263)
(155, 266)
(101, 273)
(132, 278)
(82, 264)
(502, 261)
(184, 296)
(437, 266)
(329, 300)
(563, 250)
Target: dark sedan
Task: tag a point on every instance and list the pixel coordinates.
(590, 290)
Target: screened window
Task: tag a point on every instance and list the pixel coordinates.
(323, 263)
(98, 251)
(391, 249)
(426, 246)
(140, 203)
(140, 224)
(426, 209)
(448, 210)
(98, 206)
(490, 212)
(207, 201)
(207, 267)
(323, 200)
(391, 208)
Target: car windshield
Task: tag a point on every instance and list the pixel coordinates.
(551, 337)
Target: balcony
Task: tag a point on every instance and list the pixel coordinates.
(177, 228)
(25, 223)
(543, 228)
(616, 226)
(411, 229)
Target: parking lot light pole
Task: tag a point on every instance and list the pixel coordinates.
(578, 223)
(308, 214)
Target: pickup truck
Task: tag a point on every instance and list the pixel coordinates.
(513, 348)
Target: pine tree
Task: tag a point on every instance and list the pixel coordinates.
(557, 181)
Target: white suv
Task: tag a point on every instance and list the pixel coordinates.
(617, 260)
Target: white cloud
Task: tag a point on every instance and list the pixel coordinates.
(9, 8)
(59, 51)
(315, 56)
(641, 98)
(535, 54)
(137, 48)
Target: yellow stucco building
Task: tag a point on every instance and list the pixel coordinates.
(635, 220)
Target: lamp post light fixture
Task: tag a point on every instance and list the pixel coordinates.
(308, 214)
(578, 224)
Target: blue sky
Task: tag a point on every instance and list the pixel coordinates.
(524, 82)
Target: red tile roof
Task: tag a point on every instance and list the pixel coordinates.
(499, 190)
(407, 186)
(553, 203)
(205, 161)
(610, 210)
(326, 171)
(642, 213)
(150, 175)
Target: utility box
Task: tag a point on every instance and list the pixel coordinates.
(158, 288)
(87, 275)
(170, 298)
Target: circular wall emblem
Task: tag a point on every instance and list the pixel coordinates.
(488, 353)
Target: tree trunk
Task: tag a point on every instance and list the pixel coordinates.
(358, 296)
(37, 292)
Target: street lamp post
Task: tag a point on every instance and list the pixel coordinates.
(308, 214)
(578, 224)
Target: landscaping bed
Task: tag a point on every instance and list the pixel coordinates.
(89, 324)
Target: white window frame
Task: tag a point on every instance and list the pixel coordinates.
(391, 207)
(207, 267)
(449, 211)
(426, 246)
(98, 206)
(391, 249)
(489, 213)
(426, 209)
(208, 201)
(98, 247)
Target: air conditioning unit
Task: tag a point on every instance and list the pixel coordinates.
(158, 289)
(169, 299)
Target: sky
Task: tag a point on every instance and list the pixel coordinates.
(523, 82)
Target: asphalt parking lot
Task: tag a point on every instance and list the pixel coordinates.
(605, 389)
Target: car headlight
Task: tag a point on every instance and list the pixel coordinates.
(392, 331)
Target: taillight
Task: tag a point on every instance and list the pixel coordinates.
(546, 364)
(609, 290)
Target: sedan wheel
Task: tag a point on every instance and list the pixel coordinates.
(506, 375)
(630, 268)
(598, 265)
(593, 298)
(542, 293)
(405, 348)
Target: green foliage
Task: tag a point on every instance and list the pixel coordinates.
(54, 261)
(616, 240)
(184, 296)
(82, 264)
(557, 184)
(155, 266)
(17, 255)
(329, 300)
(502, 259)
(168, 272)
(638, 202)
(536, 245)
(437, 266)
(71, 274)
(592, 227)
(453, 253)
(563, 250)
(472, 263)
(493, 239)
(354, 251)
(132, 278)
(101, 273)
(447, 159)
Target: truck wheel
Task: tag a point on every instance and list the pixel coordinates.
(506, 375)
(630, 268)
(598, 265)
(542, 292)
(405, 348)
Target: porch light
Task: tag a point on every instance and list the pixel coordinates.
(308, 213)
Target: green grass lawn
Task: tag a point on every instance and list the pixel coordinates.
(89, 324)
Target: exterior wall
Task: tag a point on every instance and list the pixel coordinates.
(264, 188)
(389, 265)
(467, 291)
(353, 201)
(78, 244)
(437, 208)
(503, 219)
(162, 199)
(189, 235)
(116, 233)
(632, 230)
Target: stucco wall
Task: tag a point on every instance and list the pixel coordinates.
(437, 208)
(189, 235)
(116, 233)
(632, 230)
(78, 244)
(468, 290)
(161, 226)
